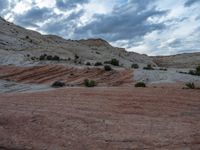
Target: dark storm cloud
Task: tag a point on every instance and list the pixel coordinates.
(191, 2)
(124, 23)
(33, 16)
(69, 4)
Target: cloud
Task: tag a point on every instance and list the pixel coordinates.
(69, 4)
(3, 5)
(188, 3)
(125, 22)
(64, 26)
(33, 16)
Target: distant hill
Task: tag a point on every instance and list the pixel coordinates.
(185, 60)
(17, 42)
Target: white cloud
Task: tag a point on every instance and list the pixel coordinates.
(22, 6)
(45, 3)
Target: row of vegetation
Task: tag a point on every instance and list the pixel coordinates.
(45, 57)
(113, 62)
(92, 83)
(49, 57)
(195, 72)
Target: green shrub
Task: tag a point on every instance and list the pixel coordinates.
(190, 85)
(114, 62)
(49, 57)
(195, 72)
(42, 57)
(135, 66)
(198, 68)
(89, 83)
(97, 53)
(107, 68)
(163, 69)
(58, 84)
(98, 64)
(148, 67)
(76, 56)
(57, 58)
(140, 84)
(192, 72)
(183, 72)
(88, 64)
(33, 58)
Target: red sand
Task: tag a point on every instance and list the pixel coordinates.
(101, 118)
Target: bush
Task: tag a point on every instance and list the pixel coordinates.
(89, 83)
(192, 72)
(190, 85)
(148, 67)
(107, 68)
(135, 66)
(114, 62)
(98, 64)
(49, 57)
(88, 64)
(56, 58)
(58, 84)
(195, 72)
(42, 57)
(33, 58)
(198, 68)
(140, 84)
(163, 69)
(76, 56)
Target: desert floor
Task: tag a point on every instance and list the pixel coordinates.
(101, 118)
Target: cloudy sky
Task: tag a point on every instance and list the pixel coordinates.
(154, 27)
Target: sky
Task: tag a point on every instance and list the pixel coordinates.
(153, 27)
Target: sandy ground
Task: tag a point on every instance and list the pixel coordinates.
(101, 118)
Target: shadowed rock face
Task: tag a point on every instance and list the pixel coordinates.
(15, 40)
